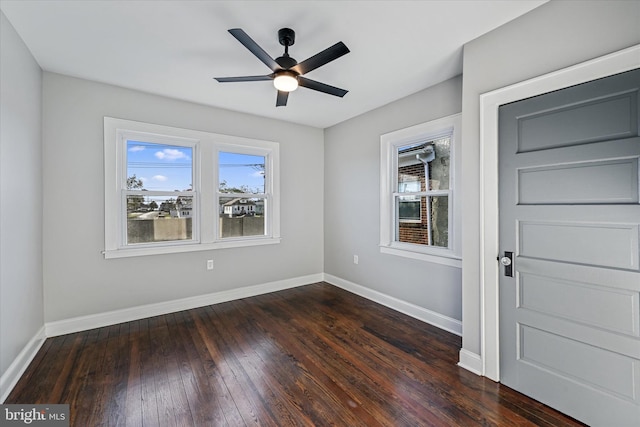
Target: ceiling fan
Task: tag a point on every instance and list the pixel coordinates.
(287, 72)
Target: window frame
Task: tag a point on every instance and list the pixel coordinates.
(122, 137)
(268, 194)
(389, 144)
(205, 219)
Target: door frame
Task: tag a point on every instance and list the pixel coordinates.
(614, 63)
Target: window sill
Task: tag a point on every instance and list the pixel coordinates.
(446, 258)
(162, 250)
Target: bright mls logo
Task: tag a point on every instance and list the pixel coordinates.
(36, 415)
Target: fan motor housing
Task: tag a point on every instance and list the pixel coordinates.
(286, 62)
(286, 36)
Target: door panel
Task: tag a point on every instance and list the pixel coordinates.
(574, 360)
(607, 245)
(569, 210)
(603, 113)
(601, 306)
(606, 182)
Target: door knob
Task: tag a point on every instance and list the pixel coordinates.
(507, 261)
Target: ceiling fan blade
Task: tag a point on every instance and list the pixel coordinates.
(254, 48)
(319, 59)
(321, 87)
(244, 78)
(281, 100)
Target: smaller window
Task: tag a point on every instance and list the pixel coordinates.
(418, 194)
(409, 206)
(243, 193)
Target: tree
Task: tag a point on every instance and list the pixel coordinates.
(134, 183)
(242, 189)
(134, 202)
(153, 205)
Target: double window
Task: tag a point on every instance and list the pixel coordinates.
(175, 190)
(417, 192)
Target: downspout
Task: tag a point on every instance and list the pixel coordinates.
(427, 156)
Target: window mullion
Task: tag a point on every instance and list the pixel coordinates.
(419, 158)
(157, 155)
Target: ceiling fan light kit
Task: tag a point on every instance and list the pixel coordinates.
(287, 72)
(286, 81)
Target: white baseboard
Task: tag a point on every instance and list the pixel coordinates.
(470, 361)
(20, 364)
(83, 323)
(436, 319)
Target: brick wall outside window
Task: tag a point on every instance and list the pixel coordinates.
(414, 232)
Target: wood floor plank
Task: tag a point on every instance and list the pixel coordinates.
(247, 394)
(133, 399)
(309, 356)
(21, 393)
(364, 372)
(148, 399)
(76, 392)
(312, 375)
(258, 372)
(345, 399)
(216, 399)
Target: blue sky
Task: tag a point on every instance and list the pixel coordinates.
(169, 167)
(241, 169)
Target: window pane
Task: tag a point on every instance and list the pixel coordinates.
(428, 159)
(408, 183)
(241, 173)
(158, 219)
(159, 167)
(440, 221)
(409, 208)
(439, 167)
(242, 216)
(423, 229)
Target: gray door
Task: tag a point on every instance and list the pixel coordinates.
(570, 213)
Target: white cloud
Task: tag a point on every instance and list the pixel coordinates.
(160, 178)
(170, 154)
(136, 148)
(258, 174)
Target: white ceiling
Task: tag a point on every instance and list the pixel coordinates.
(175, 48)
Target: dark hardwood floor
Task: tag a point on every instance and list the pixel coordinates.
(314, 355)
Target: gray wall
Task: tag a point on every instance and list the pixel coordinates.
(21, 301)
(79, 281)
(352, 204)
(554, 36)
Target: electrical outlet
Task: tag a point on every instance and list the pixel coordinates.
(209, 264)
(355, 259)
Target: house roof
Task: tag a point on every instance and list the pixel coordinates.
(239, 201)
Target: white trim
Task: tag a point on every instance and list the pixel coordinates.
(624, 60)
(20, 364)
(470, 361)
(205, 149)
(436, 319)
(445, 259)
(193, 247)
(389, 143)
(83, 323)
(108, 318)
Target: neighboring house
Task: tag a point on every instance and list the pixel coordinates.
(183, 208)
(240, 207)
